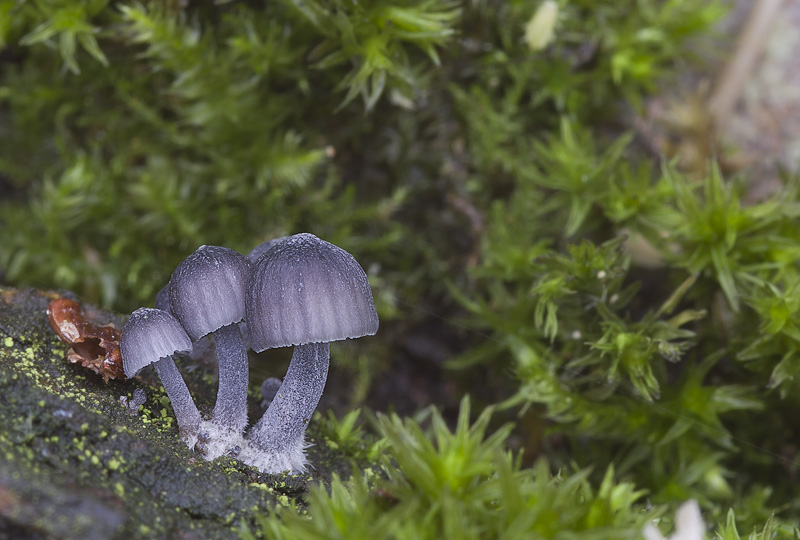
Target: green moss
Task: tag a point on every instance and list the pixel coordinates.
(481, 177)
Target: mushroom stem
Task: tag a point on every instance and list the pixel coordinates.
(231, 407)
(182, 403)
(280, 434)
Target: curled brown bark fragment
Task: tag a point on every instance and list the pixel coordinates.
(92, 346)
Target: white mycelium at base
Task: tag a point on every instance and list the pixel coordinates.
(291, 458)
(216, 439)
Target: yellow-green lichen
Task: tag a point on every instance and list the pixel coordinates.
(262, 487)
(78, 443)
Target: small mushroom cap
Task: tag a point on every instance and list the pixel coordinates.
(206, 290)
(148, 336)
(306, 290)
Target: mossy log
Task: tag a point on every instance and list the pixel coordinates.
(77, 462)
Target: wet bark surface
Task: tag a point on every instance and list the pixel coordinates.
(77, 461)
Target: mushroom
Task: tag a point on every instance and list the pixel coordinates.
(153, 336)
(206, 295)
(304, 292)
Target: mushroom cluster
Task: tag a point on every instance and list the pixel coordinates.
(299, 291)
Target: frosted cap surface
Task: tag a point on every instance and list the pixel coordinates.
(306, 290)
(206, 290)
(148, 336)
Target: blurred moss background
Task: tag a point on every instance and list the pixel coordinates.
(132, 133)
(524, 245)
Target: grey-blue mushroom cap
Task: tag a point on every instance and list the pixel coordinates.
(149, 336)
(207, 290)
(306, 290)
